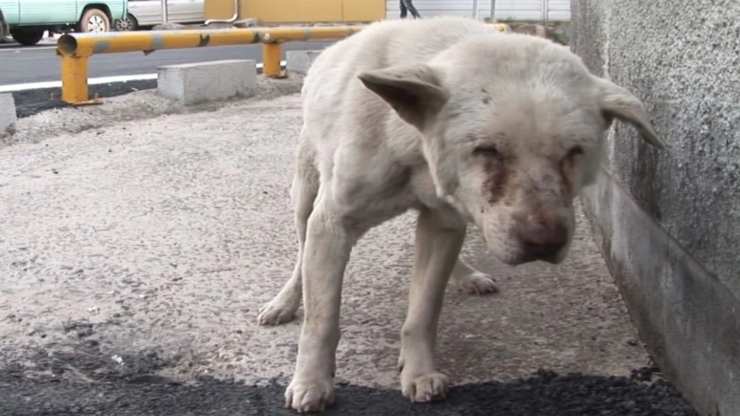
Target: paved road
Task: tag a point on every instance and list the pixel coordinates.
(135, 254)
(40, 63)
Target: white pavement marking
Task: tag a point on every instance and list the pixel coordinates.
(26, 49)
(91, 81)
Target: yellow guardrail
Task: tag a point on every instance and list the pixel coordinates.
(75, 50)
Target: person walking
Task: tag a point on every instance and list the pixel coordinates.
(406, 6)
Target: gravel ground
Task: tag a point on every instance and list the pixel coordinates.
(59, 118)
(136, 252)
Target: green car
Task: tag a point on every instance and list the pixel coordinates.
(26, 20)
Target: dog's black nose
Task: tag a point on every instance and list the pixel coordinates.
(542, 238)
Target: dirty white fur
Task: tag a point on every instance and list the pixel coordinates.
(462, 124)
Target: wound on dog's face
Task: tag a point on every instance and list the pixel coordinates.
(495, 171)
(486, 96)
(519, 185)
(525, 143)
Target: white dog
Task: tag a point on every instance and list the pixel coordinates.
(460, 123)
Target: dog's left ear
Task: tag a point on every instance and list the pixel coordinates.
(414, 91)
(620, 103)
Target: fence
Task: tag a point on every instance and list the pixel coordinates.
(528, 10)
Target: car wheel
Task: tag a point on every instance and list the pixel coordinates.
(94, 20)
(27, 37)
(128, 23)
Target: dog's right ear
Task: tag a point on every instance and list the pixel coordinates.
(414, 91)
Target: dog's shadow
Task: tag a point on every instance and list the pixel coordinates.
(544, 393)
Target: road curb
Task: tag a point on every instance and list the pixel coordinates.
(300, 61)
(207, 81)
(8, 116)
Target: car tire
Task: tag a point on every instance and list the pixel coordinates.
(26, 36)
(95, 21)
(4, 28)
(126, 24)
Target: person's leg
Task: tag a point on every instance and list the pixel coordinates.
(412, 9)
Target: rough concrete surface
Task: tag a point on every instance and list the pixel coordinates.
(199, 82)
(687, 316)
(682, 59)
(669, 221)
(134, 258)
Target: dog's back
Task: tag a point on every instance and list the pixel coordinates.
(386, 44)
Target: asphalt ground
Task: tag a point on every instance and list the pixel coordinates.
(138, 244)
(30, 102)
(108, 392)
(40, 63)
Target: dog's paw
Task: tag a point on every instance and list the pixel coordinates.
(425, 388)
(478, 283)
(276, 313)
(309, 395)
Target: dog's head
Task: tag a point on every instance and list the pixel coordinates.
(512, 129)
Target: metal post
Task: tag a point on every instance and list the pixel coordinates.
(74, 80)
(493, 11)
(475, 9)
(165, 12)
(271, 55)
(545, 11)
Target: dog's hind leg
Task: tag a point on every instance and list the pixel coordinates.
(305, 186)
(473, 281)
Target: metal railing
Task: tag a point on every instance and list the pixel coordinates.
(75, 50)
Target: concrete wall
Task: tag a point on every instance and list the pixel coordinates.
(669, 222)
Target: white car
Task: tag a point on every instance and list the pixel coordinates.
(148, 13)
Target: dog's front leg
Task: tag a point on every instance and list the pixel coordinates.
(328, 245)
(473, 281)
(438, 243)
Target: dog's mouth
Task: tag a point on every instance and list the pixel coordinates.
(523, 256)
(514, 251)
(526, 258)
(552, 259)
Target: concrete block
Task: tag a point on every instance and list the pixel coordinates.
(300, 61)
(7, 112)
(207, 81)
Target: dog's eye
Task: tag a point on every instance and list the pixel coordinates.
(486, 151)
(575, 151)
